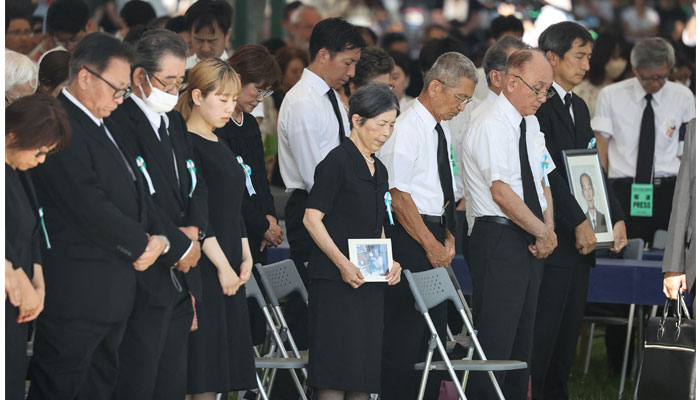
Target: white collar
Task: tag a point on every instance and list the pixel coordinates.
(560, 91)
(424, 114)
(639, 92)
(315, 81)
(195, 59)
(509, 111)
(97, 121)
(153, 117)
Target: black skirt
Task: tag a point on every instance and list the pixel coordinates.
(345, 335)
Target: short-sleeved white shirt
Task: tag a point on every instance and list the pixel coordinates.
(410, 157)
(491, 153)
(307, 129)
(618, 117)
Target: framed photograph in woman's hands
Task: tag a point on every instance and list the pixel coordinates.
(372, 256)
(587, 184)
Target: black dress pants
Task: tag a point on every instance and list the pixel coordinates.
(75, 358)
(560, 308)
(406, 334)
(153, 354)
(506, 280)
(15, 354)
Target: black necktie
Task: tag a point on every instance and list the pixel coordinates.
(645, 155)
(529, 190)
(336, 110)
(111, 139)
(167, 149)
(448, 194)
(567, 104)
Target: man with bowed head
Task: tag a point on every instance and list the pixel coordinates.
(514, 224)
(103, 231)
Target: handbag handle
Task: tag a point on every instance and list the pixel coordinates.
(679, 304)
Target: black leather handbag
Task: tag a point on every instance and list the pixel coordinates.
(668, 363)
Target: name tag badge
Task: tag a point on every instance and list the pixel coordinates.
(642, 200)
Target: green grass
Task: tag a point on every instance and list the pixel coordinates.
(597, 385)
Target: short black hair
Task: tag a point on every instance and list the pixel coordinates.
(206, 13)
(502, 24)
(371, 100)
(402, 61)
(373, 61)
(96, 50)
(390, 38)
(137, 12)
(274, 44)
(177, 24)
(154, 45)
(434, 48)
(135, 33)
(335, 35)
(370, 32)
(68, 16)
(560, 37)
(17, 10)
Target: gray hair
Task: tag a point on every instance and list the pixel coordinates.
(652, 53)
(497, 55)
(19, 69)
(296, 14)
(154, 45)
(449, 68)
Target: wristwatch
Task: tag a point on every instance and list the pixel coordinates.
(167, 245)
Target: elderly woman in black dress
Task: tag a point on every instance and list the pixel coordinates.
(347, 201)
(34, 127)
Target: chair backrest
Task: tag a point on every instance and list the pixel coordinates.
(634, 249)
(659, 241)
(281, 279)
(431, 288)
(253, 290)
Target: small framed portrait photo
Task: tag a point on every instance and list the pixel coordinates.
(587, 184)
(372, 256)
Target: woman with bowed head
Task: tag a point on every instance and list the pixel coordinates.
(347, 201)
(220, 355)
(35, 126)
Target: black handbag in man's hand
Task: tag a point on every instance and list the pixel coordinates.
(668, 363)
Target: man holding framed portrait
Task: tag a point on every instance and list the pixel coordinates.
(584, 218)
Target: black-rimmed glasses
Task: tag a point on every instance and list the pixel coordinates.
(540, 95)
(125, 93)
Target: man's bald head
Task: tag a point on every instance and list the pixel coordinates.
(528, 79)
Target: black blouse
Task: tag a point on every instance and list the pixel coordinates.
(22, 224)
(352, 201)
(246, 141)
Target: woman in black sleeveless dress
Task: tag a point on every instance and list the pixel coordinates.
(220, 355)
(346, 315)
(34, 126)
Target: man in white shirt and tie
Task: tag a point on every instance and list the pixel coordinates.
(514, 226)
(421, 184)
(209, 25)
(639, 125)
(311, 124)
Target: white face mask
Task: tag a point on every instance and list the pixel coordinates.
(159, 101)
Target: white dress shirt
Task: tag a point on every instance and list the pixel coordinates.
(618, 117)
(410, 157)
(561, 92)
(458, 130)
(492, 153)
(307, 129)
(193, 60)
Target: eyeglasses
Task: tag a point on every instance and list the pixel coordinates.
(179, 85)
(540, 95)
(463, 101)
(261, 94)
(652, 79)
(125, 93)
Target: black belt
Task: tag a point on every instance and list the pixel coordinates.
(434, 219)
(497, 220)
(655, 182)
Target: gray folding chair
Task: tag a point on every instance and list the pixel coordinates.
(269, 363)
(430, 288)
(278, 281)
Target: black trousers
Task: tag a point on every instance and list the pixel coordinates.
(153, 354)
(15, 353)
(406, 334)
(74, 359)
(560, 308)
(506, 280)
(644, 227)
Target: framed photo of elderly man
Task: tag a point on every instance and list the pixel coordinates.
(587, 184)
(372, 256)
